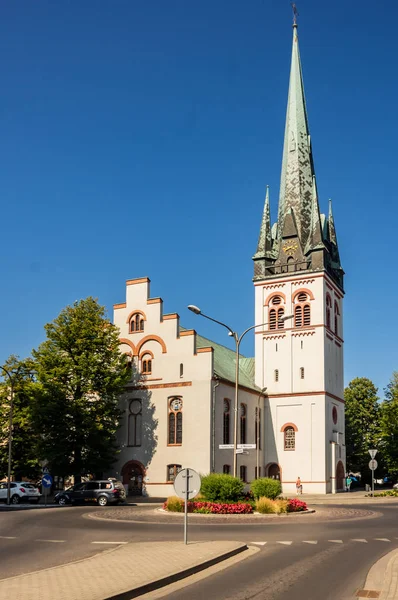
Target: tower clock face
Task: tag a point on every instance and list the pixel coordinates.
(289, 248)
(176, 404)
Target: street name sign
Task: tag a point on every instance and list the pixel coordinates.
(239, 446)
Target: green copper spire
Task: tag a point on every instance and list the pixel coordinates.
(297, 163)
(332, 229)
(265, 239)
(315, 239)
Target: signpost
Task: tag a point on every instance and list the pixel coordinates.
(373, 467)
(46, 483)
(239, 447)
(187, 486)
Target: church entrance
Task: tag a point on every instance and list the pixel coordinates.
(133, 477)
(340, 477)
(274, 471)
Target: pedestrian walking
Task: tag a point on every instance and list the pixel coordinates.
(348, 483)
(299, 486)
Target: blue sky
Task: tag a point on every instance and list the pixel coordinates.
(137, 139)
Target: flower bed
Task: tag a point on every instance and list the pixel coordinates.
(387, 493)
(296, 505)
(214, 508)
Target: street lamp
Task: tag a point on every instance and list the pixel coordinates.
(9, 432)
(238, 339)
(258, 421)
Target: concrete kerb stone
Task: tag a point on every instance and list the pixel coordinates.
(157, 564)
(382, 581)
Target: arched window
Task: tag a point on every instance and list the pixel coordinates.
(289, 438)
(146, 364)
(135, 423)
(276, 313)
(136, 323)
(175, 422)
(336, 318)
(302, 310)
(226, 421)
(328, 310)
(243, 410)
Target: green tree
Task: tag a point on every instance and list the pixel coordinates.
(389, 425)
(81, 374)
(362, 420)
(24, 458)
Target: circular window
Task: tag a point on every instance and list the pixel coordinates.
(135, 407)
(176, 404)
(334, 415)
(276, 300)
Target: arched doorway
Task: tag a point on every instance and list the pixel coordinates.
(274, 471)
(340, 477)
(133, 474)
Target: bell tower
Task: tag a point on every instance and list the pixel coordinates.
(298, 281)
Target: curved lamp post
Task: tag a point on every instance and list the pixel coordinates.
(238, 338)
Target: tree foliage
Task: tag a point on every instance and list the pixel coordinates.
(81, 374)
(362, 420)
(24, 448)
(389, 425)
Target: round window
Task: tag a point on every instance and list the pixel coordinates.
(176, 404)
(334, 414)
(135, 407)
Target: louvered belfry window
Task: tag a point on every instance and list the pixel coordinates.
(302, 310)
(275, 314)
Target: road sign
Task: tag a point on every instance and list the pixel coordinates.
(372, 453)
(45, 470)
(47, 481)
(180, 484)
(373, 464)
(239, 451)
(239, 446)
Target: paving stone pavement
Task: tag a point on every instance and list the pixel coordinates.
(134, 568)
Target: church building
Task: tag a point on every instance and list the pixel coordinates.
(179, 407)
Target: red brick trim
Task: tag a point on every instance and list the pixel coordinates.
(303, 291)
(286, 425)
(206, 349)
(272, 295)
(154, 301)
(128, 343)
(159, 385)
(135, 312)
(138, 280)
(289, 395)
(187, 332)
(120, 305)
(152, 338)
(170, 316)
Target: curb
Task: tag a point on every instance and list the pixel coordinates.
(159, 583)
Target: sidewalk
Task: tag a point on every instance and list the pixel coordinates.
(342, 497)
(382, 579)
(121, 573)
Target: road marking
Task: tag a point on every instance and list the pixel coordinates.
(309, 542)
(259, 543)
(7, 537)
(382, 539)
(336, 541)
(52, 541)
(359, 540)
(285, 543)
(109, 542)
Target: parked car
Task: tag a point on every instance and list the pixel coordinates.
(20, 491)
(103, 492)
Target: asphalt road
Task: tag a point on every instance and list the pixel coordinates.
(309, 559)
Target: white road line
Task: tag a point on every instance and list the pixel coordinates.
(109, 542)
(309, 542)
(52, 541)
(382, 539)
(359, 540)
(7, 537)
(285, 543)
(259, 543)
(336, 541)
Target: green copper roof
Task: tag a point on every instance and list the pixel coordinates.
(265, 238)
(296, 191)
(224, 363)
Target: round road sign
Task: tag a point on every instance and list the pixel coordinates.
(373, 464)
(180, 484)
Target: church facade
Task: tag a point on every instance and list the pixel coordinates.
(179, 406)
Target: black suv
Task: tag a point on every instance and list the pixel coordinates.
(103, 492)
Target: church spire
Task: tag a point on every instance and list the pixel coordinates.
(265, 239)
(332, 229)
(297, 164)
(315, 239)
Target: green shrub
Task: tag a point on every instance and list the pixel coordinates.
(266, 506)
(218, 487)
(174, 504)
(270, 488)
